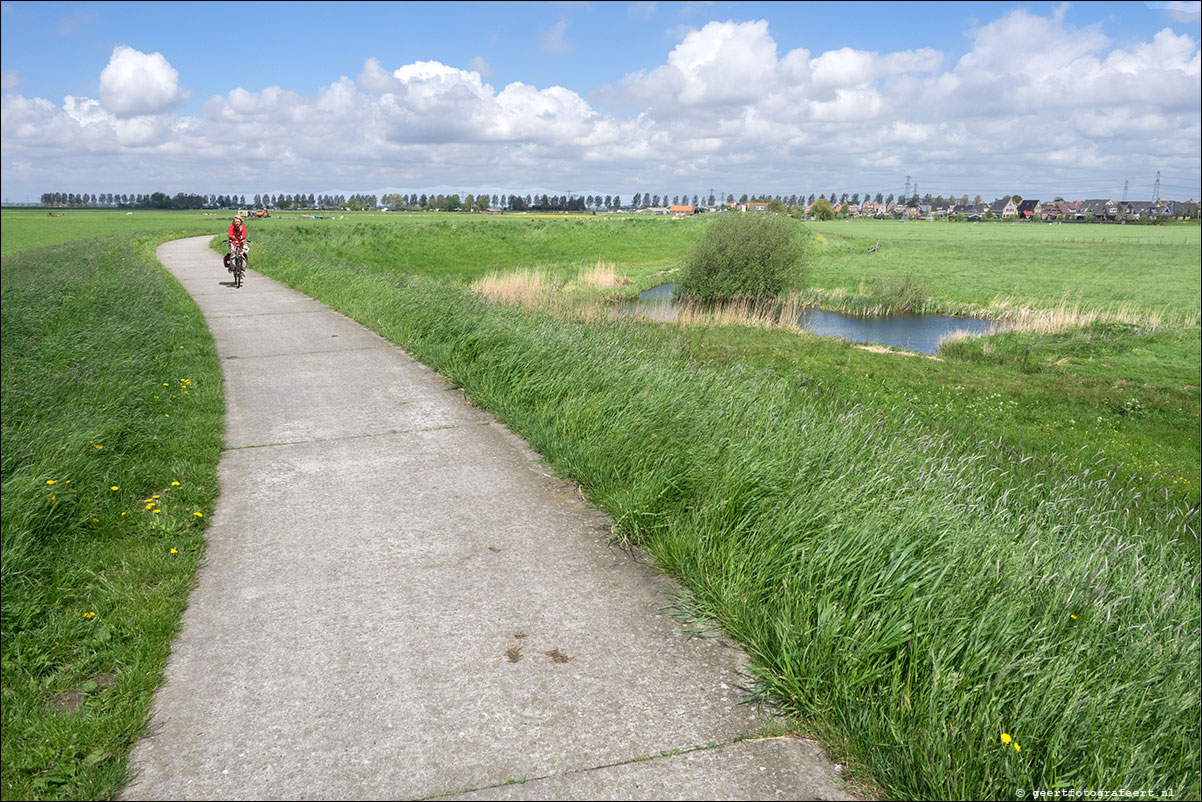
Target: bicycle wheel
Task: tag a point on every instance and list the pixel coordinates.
(239, 268)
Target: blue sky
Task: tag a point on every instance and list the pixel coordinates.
(779, 97)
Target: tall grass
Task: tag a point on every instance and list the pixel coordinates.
(1066, 315)
(543, 289)
(600, 275)
(112, 420)
(911, 591)
(523, 288)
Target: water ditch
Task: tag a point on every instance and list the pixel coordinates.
(920, 333)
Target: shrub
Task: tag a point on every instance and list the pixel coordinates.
(822, 209)
(745, 256)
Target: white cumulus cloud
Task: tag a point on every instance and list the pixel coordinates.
(724, 106)
(136, 83)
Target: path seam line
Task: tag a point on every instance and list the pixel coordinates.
(391, 433)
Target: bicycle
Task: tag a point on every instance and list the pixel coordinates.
(238, 260)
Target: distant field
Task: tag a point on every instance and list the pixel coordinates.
(1156, 267)
(27, 228)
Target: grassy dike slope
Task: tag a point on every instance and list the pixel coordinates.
(112, 420)
(911, 592)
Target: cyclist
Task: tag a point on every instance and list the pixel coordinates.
(237, 240)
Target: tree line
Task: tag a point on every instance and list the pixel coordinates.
(454, 202)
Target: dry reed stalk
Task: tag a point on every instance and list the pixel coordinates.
(601, 275)
(756, 314)
(524, 288)
(1065, 316)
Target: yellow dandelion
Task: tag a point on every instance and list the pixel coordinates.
(199, 514)
(1006, 737)
(1070, 615)
(1017, 748)
(95, 520)
(98, 448)
(89, 614)
(122, 515)
(51, 481)
(175, 484)
(156, 512)
(173, 551)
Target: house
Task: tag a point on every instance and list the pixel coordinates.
(974, 212)
(1137, 210)
(1098, 208)
(1030, 209)
(1174, 210)
(681, 211)
(1058, 210)
(757, 206)
(1003, 207)
(869, 208)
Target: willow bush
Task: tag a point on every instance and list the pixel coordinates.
(744, 256)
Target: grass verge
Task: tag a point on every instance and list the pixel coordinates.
(112, 421)
(913, 588)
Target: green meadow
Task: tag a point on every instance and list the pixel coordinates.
(112, 413)
(1038, 264)
(27, 228)
(920, 555)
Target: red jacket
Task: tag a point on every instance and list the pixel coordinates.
(237, 235)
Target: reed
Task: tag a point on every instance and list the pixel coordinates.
(527, 289)
(748, 313)
(1066, 315)
(600, 275)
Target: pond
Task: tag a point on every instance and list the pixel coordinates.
(919, 333)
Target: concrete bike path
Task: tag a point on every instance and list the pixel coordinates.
(400, 601)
